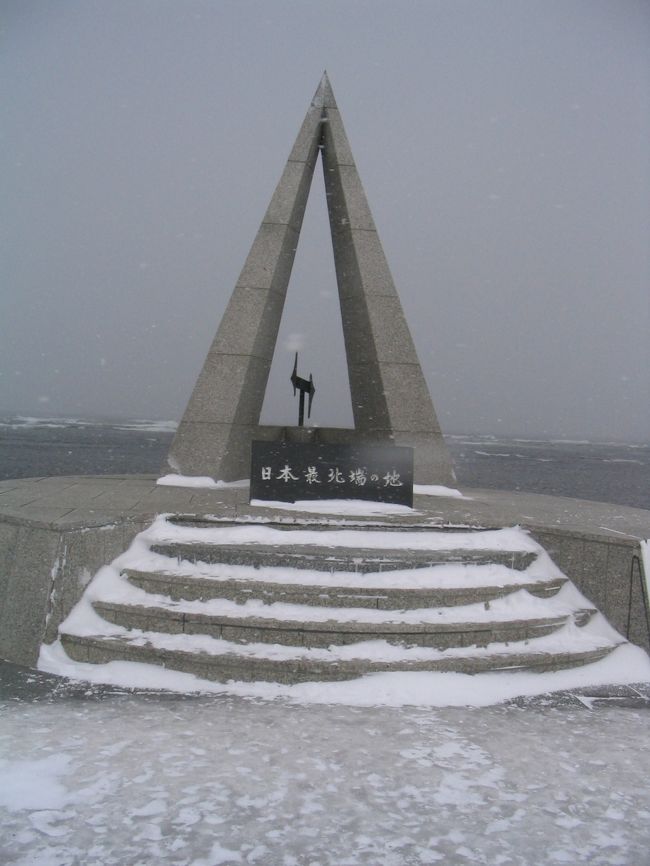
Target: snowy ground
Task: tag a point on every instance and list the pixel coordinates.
(91, 776)
(98, 776)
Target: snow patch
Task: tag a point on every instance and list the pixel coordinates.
(438, 490)
(33, 784)
(202, 481)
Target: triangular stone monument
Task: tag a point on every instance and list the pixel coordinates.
(390, 398)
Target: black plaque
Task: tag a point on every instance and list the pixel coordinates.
(288, 472)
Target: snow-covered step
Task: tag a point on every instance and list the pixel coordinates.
(438, 586)
(426, 628)
(427, 539)
(293, 603)
(220, 660)
(329, 559)
(325, 523)
(339, 549)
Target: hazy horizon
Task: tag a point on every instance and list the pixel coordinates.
(502, 147)
(514, 436)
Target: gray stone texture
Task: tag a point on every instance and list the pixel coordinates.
(250, 668)
(27, 593)
(357, 561)
(44, 573)
(251, 629)
(389, 393)
(390, 398)
(386, 598)
(601, 568)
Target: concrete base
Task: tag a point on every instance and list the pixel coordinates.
(56, 532)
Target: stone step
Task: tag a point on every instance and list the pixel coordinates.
(247, 627)
(280, 603)
(196, 588)
(326, 523)
(328, 559)
(234, 664)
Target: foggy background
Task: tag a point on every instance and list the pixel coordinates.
(503, 147)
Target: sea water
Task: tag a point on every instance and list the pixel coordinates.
(605, 472)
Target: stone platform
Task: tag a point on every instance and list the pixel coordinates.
(56, 532)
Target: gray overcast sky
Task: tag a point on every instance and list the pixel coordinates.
(503, 147)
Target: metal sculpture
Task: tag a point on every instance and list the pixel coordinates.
(305, 386)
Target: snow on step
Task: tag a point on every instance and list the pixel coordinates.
(198, 588)
(440, 576)
(509, 539)
(597, 635)
(223, 661)
(355, 560)
(110, 587)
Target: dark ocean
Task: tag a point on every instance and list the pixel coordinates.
(606, 472)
